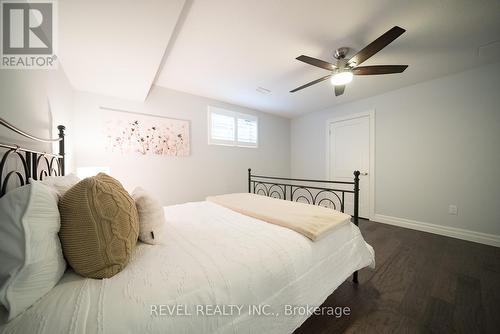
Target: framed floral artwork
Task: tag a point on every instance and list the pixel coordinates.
(128, 132)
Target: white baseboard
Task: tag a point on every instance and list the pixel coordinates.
(483, 238)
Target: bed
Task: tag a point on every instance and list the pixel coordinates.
(219, 271)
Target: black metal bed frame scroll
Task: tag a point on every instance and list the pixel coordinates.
(35, 164)
(298, 190)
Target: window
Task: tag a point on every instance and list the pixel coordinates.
(222, 127)
(226, 127)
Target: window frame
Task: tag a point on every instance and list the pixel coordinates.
(236, 116)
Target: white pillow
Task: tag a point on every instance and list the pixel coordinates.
(31, 258)
(60, 184)
(151, 217)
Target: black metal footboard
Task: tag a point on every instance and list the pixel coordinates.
(326, 193)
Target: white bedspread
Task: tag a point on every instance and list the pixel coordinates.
(212, 256)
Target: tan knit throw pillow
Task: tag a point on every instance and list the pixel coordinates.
(99, 226)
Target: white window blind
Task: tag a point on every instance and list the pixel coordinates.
(222, 127)
(226, 127)
(247, 130)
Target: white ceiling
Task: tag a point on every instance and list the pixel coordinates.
(225, 49)
(115, 47)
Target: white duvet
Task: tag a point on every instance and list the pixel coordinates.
(214, 261)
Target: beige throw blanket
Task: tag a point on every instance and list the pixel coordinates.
(309, 220)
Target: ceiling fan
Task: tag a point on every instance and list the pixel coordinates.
(343, 70)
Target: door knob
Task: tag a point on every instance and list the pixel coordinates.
(365, 173)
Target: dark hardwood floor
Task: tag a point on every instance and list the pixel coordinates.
(423, 283)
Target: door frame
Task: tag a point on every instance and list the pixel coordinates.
(371, 117)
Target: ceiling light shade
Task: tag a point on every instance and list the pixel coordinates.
(341, 78)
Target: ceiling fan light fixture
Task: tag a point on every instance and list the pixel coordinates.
(341, 73)
(341, 78)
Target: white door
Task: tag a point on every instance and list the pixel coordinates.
(350, 151)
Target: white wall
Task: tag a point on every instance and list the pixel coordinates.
(437, 143)
(207, 171)
(36, 101)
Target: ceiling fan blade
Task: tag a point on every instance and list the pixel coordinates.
(378, 69)
(317, 62)
(339, 90)
(376, 46)
(311, 83)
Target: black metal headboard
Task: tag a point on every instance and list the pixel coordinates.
(35, 164)
(309, 191)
